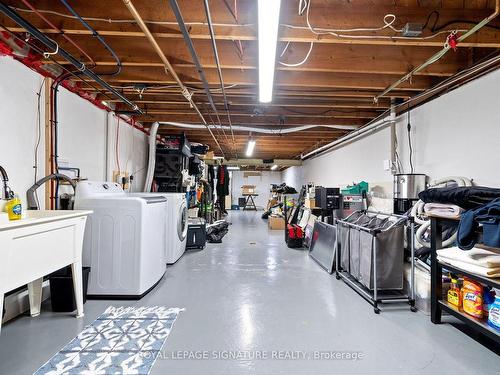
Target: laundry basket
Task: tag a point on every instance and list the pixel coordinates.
(370, 256)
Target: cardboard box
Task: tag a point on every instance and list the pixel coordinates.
(271, 202)
(248, 189)
(208, 156)
(276, 222)
(310, 203)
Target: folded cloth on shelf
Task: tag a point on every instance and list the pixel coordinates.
(443, 209)
(472, 268)
(489, 216)
(477, 256)
(468, 197)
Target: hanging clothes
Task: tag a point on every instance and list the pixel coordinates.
(222, 181)
(211, 177)
(222, 186)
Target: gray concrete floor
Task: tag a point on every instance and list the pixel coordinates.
(262, 298)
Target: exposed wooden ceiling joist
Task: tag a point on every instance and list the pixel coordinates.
(335, 86)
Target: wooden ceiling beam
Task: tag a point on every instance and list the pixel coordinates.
(234, 105)
(344, 15)
(309, 80)
(392, 59)
(282, 93)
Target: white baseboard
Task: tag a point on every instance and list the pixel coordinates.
(18, 303)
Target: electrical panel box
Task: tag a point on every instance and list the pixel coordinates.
(412, 30)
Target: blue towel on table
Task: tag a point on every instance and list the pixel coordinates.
(489, 216)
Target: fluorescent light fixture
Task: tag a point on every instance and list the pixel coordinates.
(105, 103)
(269, 16)
(233, 168)
(274, 167)
(250, 147)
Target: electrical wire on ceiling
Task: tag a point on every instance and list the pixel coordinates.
(447, 46)
(435, 28)
(96, 35)
(389, 19)
(299, 63)
(320, 113)
(71, 41)
(42, 38)
(147, 22)
(63, 67)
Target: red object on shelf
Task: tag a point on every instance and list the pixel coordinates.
(452, 41)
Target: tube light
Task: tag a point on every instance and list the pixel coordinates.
(250, 147)
(269, 15)
(233, 168)
(274, 167)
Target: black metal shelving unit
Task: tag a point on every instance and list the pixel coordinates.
(438, 305)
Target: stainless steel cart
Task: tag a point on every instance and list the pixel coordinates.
(370, 277)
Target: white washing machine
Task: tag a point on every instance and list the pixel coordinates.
(125, 240)
(176, 224)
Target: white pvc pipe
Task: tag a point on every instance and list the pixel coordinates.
(259, 129)
(152, 157)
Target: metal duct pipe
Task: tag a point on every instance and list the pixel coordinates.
(261, 129)
(168, 67)
(51, 45)
(441, 53)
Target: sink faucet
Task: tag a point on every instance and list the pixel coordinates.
(5, 179)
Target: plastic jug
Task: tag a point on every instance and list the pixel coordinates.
(494, 314)
(472, 298)
(13, 208)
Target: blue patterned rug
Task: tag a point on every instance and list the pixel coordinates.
(123, 340)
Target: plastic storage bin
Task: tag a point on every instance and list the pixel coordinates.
(62, 297)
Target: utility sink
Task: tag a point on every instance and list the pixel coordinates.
(34, 217)
(40, 243)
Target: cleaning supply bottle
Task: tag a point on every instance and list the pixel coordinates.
(454, 295)
(494, 313)
(13, 208)
(488, 299)
(472, 298)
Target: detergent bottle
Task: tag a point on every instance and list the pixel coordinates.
(13, 208)
(472, 298)
(454, 295)
(494, 313)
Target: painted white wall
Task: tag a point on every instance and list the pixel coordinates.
(294, 177)
(455, 134)
(132, 151)
(82, 135)
(262, 183)
(458, 133)
(84, 141)
(18, 127)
